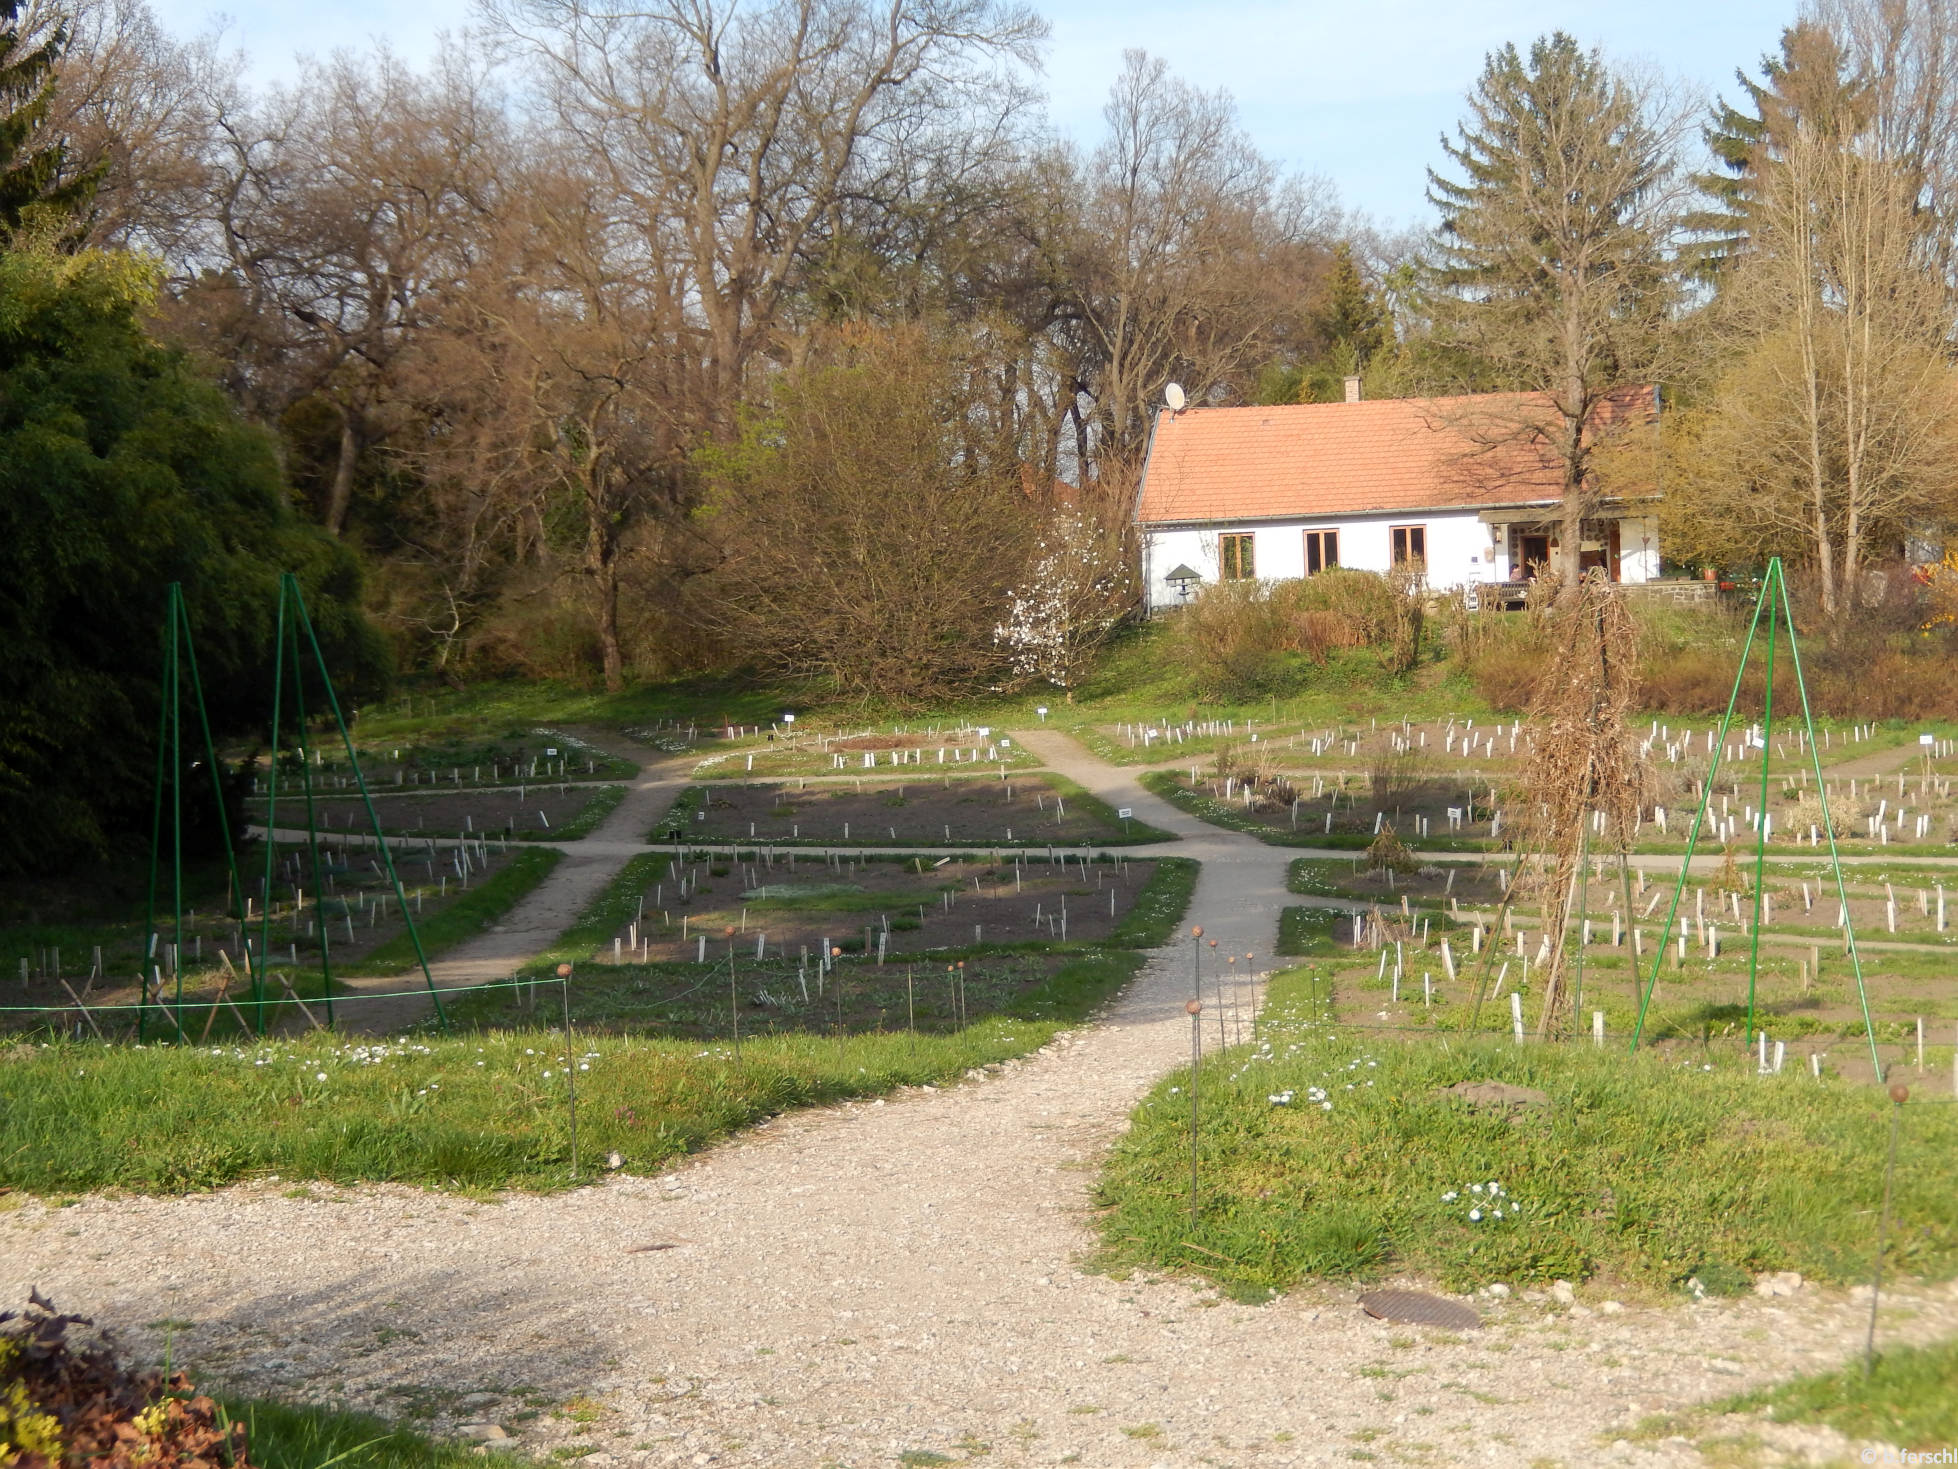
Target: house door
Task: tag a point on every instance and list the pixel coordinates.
(1533, 555)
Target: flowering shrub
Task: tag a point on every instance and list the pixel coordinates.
(1074, 594)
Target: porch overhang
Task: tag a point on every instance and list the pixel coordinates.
(1552, 510)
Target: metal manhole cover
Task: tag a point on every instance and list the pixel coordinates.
(1418, 1308)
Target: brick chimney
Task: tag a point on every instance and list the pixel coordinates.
(1352, 389)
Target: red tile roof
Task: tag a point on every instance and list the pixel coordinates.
(1311, 459)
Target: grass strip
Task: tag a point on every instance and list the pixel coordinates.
(488, 1110)
(604, 802)
(1160, 906)
(1329, 1154)
(467, 916)
(1133, 832)
(298, 1436)
(616, 905)
(1910, 1400)
(1306, 930)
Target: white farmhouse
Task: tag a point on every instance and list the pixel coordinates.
(1459, 490)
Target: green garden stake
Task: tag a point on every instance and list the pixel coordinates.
(259, 970)
(733, 996)
(1699, 820)
(179, 656)
(1761, 817)
(156, 814)
(1829, 828)
(290, 586)
(1583, 915)
(312, 831)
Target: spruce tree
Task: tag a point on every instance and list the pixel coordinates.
(34, 177)
(1553, 270)
(1810, 83)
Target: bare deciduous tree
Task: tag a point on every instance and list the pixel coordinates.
(863, 546)
(1188, 259)
(1831, 432)
(737, 134)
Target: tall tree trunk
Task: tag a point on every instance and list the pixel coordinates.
(340, 494)
(1818, 481)
(602, 565)
(1576, 409)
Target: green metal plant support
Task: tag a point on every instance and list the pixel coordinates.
(179, 658)
(292, 620)
(1774, 601)
(290, 660)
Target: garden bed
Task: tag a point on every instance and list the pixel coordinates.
(1020, 811)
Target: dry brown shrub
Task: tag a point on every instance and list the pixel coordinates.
(1231, 636)
(67, 1404)
(1583, 760)
(1316, 633)
(1389, 853)
(1507, 680)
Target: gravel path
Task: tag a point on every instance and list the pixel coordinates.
(849, 1286)
(545, 912)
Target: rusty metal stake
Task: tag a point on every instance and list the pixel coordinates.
(571, 1062)
(1195, 1009)
(1899, 1094)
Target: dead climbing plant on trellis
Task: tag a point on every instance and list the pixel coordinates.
(1584, 784)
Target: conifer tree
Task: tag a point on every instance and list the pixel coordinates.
(34, 179)
(1810, 82)
(1555, 268)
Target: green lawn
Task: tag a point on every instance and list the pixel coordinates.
(1636, 1172)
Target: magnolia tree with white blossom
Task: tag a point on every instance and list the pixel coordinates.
(1077, 587)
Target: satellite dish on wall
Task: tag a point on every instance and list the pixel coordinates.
(1173, 395)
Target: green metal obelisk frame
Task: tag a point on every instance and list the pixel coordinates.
(1774, 601)
(179, 656)
(293, 619)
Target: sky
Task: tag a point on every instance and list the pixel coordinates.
(1356, 92)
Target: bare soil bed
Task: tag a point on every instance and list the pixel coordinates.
(1020, 811)
(807, 753)
(909, 907)
(460, 760)
(529, 812)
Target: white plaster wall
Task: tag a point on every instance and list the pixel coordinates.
(1638, 550)
(1459, 549)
